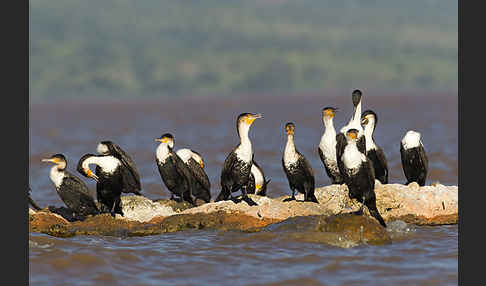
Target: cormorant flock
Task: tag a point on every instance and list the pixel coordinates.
(350, 156)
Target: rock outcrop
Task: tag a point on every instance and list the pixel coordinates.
(326, 222)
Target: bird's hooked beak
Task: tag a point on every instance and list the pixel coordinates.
(162, 140)
(330, 113)
(250, 118)
(290, 130)
(353, 135)
(364, 121)
(50, 160)
(201, 164)
(90, 174)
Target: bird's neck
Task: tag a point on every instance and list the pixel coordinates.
(106, 163)
(56, 175)
(162, 152)
(243, 130)
(356, 115)
(368, 133)
(329, 125)
(290, 147)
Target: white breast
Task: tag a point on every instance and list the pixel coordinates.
(162, 153)
(257, 175)
(328, 145)
(411, 140)
(352, 158)
(244, 152)
(56, 176)
(290, 155)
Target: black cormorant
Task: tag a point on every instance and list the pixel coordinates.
(109, 180)
(373, 151)
(72, 191)
(202, 187)
(131, 178)
(237, 166)
(257, 183)
(327, 146)
(175, 174)
(359, 175)
(414, 161)
(298, 170)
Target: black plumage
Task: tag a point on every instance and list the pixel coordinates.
(252, 187)
(374, 152)
(131, 177)
(359, 176)
(298, 170)
(201, 185)
(237, 165)
(174, 172)
(414, 160)
(31, 201)
(109, 183)
(72, 191)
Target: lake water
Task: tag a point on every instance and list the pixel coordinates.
(424, 256)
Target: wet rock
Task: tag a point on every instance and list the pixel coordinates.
(428, 205)
(344, 230)
(140, 208)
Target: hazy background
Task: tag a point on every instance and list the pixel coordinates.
(224, 47)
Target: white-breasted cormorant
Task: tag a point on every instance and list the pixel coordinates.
(237, 166)
(298, 170)
(175, 174)
(257, 183)
(354, 123)
(373, 151)
(359, 176)
(109, 180)
(327, 146)
(202, 187)
(72, 191)
(129, 169)
(414, 161)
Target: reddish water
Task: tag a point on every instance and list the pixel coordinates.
(428, 256)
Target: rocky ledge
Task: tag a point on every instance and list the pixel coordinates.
(326, 222)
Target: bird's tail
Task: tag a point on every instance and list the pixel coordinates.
(374, 213)
(33, 204)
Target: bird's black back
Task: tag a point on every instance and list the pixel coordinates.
(415, 164)
(131, 177)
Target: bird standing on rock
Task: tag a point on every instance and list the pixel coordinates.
(72, 191)
(327, 146)
(237, 165)
(298, 170)
(354, 123)
(414, 161)
(131, 178)
(109, 181)
(373, 151)
(359, 175)
(194, 161)
(174, 172)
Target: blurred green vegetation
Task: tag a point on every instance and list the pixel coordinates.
(158, 47)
